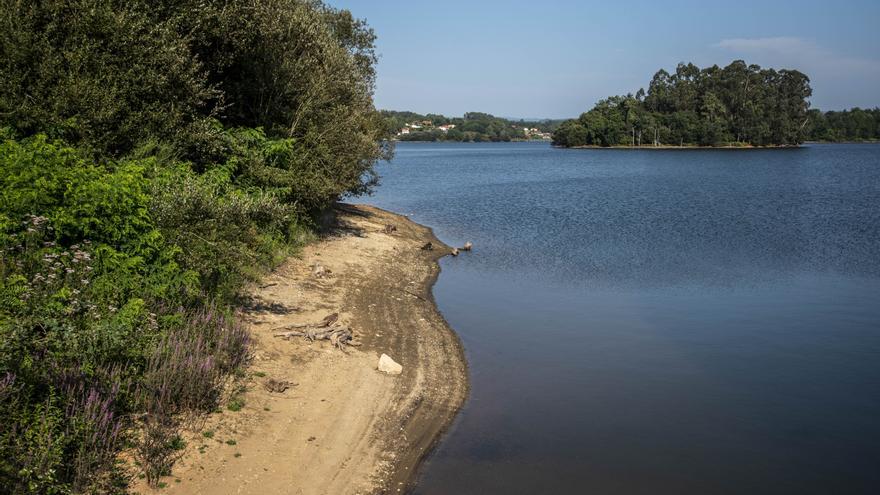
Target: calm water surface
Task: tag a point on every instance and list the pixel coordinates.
(642, 322)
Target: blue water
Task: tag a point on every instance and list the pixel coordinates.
(651, 322)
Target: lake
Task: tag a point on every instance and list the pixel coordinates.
(644, 322)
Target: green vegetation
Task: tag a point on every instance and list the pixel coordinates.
(154, 158)
(740, 105)
(473, 127)
(235, 404)
(848, 125)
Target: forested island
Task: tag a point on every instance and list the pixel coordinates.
(738, 105)
(472, 127)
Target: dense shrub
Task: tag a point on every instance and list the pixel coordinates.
(110, 76)
(97, 75)
(93, 309)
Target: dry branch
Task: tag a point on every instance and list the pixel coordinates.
(339, 336)
(326, 322)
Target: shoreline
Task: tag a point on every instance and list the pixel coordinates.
(674, 147)
(344, 427)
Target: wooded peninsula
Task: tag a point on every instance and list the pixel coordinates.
(739, 105)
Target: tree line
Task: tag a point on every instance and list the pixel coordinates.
(738, 104)
(847, 125)
(472, 127)
(155, 157)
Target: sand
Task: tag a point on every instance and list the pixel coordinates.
(344, 428)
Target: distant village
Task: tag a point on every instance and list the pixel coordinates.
(428, 126)
(424, 125)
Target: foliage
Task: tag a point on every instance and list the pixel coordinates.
(848, 125)
(91, 318)
(738, 104)
(155, 157)
(97, 75)
(182, 381)
(110, 76)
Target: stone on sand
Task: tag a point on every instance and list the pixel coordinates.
(388, 365)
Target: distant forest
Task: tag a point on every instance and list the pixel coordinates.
(472, 127)
(847, 125)
(736, 105)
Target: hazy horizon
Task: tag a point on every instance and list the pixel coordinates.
(556, 61)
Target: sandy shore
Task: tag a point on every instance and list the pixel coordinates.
(344, 428)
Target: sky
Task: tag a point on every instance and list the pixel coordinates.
(556, 58)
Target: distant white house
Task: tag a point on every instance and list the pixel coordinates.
(447, 127)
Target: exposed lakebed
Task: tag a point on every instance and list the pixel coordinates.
(669, 321)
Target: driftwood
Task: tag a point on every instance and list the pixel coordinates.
(326, 322)
(389, 229)
(277, 386)
(338, 336)
(428, 246)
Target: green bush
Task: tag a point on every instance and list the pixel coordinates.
(110, 76)
(91, 289)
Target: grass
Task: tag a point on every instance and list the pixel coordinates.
(235, 404)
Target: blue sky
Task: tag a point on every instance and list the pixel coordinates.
(557, 57)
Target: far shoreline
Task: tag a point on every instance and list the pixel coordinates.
(683, 147)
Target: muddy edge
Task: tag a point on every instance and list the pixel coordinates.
(430, 396)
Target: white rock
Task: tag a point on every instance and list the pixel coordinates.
(388, 365)
(320, 271)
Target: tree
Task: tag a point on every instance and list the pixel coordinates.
(110, 76)
(709, 107)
